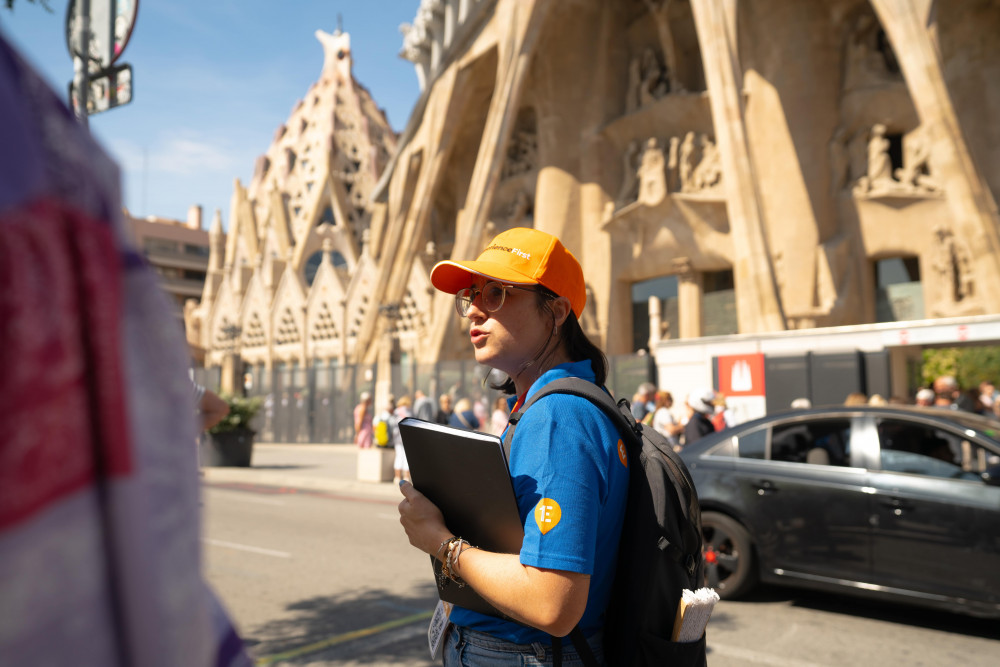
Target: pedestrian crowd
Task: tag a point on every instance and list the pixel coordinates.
(468, 414)
(704, 411)
(944, 392)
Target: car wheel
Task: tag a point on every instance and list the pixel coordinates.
(730, 565)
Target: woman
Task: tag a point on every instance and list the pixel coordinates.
(364, 432)
(463, 416)
(664, 422)
(400, 465)
(700, 404)
(498, 419)
(523, 297)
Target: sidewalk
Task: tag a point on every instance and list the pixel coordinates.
(331, 468)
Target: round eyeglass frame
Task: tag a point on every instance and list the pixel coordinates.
(464, 298)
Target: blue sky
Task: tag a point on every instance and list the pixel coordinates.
(212, 80)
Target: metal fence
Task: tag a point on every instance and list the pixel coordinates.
(316, 404)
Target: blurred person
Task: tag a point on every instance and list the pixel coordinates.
(498, 419)
(950, 395)
(642, 400)
(100, 526)
(444, 410)
(364, 432)
(801, 403)
(856, 398)
(384, 423)
(400, 465)
(877, 400)
(463, 416)
(699, 407)
(987, 396)
(481, 413)
(925, 397)
(720, 416)
(664, 421)
(423, 406)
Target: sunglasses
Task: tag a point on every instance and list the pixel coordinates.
(492, 297)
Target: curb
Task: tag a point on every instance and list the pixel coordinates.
(267, 478)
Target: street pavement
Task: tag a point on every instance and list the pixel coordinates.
(316, 626)
(315, 467)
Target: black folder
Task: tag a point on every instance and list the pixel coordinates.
(465, 474)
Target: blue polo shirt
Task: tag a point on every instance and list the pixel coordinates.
(570, 477)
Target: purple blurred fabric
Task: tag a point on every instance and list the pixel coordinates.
(100, 559)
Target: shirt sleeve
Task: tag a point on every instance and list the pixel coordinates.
(560, 458)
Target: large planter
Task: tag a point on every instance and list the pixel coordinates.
(375, 464)
(229, 448)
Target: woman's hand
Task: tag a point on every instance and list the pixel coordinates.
(550, 600)
(422, 520)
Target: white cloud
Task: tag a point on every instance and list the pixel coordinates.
(192, 156)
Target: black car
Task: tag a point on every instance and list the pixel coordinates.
(895, 502)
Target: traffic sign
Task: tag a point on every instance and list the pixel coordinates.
(111, 25)
(109, 88)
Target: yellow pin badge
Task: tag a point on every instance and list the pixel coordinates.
(547, 514)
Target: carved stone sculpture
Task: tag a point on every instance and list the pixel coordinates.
(655, 83)
(673, 159)
(879, 165)
(878, 179)
(868, 55)
(708, 173)
(521, 211)
(522, 150)
(953, 265)
(660, 12)
(652, 174)
(686, 163)
(915, 174)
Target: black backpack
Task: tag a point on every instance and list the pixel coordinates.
(660, 553)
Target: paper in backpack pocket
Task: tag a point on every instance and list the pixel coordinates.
(693, 612)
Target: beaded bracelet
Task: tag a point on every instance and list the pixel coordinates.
(445, 574)
(452, 552)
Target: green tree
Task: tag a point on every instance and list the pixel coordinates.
(969, 365)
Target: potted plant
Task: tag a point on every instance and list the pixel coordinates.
(230, 442)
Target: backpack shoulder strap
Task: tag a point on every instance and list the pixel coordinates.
(576, 387)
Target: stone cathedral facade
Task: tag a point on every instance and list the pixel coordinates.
(718, 166)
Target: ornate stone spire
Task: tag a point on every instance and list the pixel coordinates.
(336, 54)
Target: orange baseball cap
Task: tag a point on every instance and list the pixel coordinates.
(520, 256)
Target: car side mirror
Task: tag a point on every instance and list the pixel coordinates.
(992, 475)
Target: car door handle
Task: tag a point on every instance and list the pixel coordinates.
(766, 488)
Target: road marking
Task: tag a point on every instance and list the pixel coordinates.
(247, 547)
(340, 639)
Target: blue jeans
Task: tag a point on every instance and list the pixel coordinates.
(468, 648)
